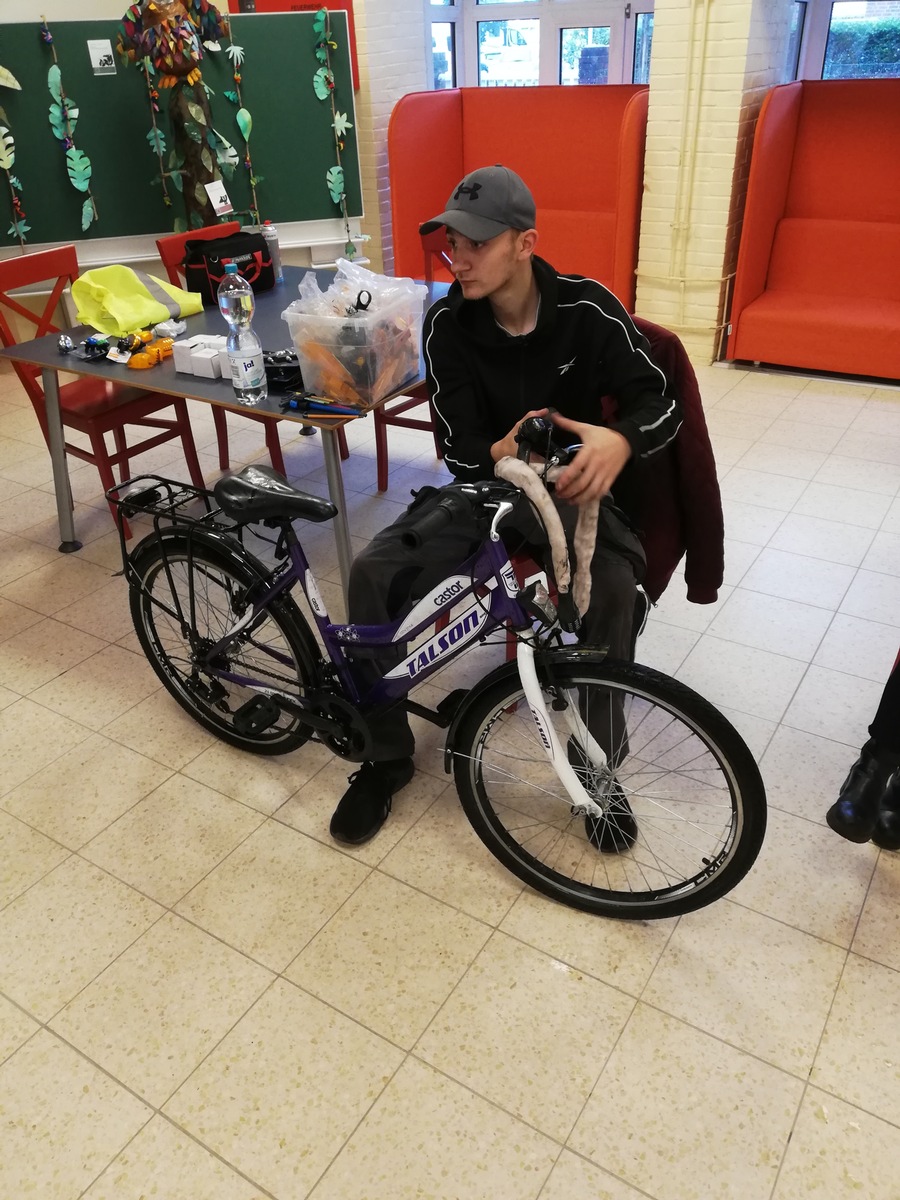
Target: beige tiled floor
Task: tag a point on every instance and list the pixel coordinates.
(202, 998)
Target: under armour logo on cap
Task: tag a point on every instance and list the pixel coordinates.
(504, 202)
(464, 190)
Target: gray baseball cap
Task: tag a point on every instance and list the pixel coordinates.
(486, 203)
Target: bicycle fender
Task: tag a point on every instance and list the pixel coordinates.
(544, 661)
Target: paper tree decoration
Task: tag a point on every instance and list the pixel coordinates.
(170, 35)
(19, 226)
(63, 117)
(323, 86)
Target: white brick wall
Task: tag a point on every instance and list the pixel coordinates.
(712, 62)
(391, 41)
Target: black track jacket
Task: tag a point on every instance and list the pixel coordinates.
(585, 346)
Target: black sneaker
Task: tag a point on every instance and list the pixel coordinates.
(617, 829)
(364, 807)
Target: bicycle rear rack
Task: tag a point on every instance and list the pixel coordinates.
(170, 503)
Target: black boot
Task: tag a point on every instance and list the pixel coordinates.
(887, 826)
(855, 812)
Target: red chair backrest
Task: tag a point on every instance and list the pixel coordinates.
(60, 265)
(171, 248)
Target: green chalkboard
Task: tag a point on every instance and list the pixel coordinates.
(292, 142)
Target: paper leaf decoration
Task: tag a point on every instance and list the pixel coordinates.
(213, 46)
(157, 141)
(54, 83)
(226, 155)
(322, 53)
(180, 226)
(323, 82)
(176, 177)
(58, 117)
(349, 250)
(197, 113)
(193, 131)
(335, 179)
(3, 117)
(16, 183)
(197, 217)
(245, 123)
(235, 53)
(341, 124)
(206, 159)
(232, 96)
(87, 214)
(79, 166)
(319, 21)
(18, 229)
(7, 149)
(200, 194)
(7, 79)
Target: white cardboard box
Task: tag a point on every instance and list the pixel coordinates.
(181, 353)
(205, 362)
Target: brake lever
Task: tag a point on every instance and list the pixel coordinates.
(504, 508)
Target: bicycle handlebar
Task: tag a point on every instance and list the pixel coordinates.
(542, 436)
(433, 521)
(458, 499)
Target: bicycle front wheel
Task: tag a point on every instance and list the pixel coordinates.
(207, 584)
(683, 799)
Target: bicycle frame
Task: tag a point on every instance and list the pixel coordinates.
(485, 583)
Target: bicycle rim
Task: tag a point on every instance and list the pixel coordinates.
(693, 791)
(270, 652)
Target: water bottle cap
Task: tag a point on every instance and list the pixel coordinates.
(231, 269)
(267, 222)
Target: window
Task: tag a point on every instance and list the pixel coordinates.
(520, 43)
(850, 39)
(441, 44)
(643, 40)
(795, 40)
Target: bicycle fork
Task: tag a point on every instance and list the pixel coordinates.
(581, 800)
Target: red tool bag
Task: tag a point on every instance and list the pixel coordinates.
(205, 261)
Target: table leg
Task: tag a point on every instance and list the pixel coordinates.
(57, 439)
(335, 479)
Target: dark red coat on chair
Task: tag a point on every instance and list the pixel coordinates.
(673, 497)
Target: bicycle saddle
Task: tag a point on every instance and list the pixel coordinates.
(261, 494)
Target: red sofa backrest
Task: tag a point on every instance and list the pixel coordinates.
(836, 258)
(823, 194)
(588, 203)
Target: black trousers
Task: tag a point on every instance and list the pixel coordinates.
(387, 578)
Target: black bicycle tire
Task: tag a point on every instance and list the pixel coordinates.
(729, 750)
(292, 625)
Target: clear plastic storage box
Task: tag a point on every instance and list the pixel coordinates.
(358, 359)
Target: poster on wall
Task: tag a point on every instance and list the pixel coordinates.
(280, 6)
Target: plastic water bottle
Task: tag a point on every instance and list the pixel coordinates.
(245, 353)
(270, 233)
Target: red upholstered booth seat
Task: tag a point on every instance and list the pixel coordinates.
(580, 150)
(818, 276)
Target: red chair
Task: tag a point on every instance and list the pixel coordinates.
(434, 246)
(91, 406)
(171, 252)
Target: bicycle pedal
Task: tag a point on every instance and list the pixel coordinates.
(256, 715)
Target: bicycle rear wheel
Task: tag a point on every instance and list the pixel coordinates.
(207, 582)
(690, 784)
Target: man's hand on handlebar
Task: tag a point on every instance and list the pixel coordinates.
(507, 446)
(595, 467)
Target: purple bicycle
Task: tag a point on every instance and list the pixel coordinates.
(605, 785)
